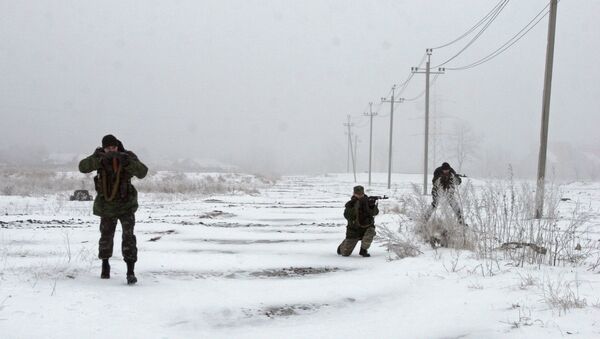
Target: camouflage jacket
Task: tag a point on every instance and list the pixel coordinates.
(359, 213)
(126, 200)
(445, 182)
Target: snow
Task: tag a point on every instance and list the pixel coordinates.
(264, 266)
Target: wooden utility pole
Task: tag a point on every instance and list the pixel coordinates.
(541, 175)
(392, 101)
(349, 124)
(370, 115)
(427, 71)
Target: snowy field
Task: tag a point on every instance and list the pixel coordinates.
(263, 265)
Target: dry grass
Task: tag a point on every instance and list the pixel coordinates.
(40, 182)
(499, 215)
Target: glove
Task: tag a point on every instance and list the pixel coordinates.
(107, 159)
(124, 159)
(99, 152)
(372, 203)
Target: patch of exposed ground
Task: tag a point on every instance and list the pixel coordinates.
(35, 224)
(191, 222)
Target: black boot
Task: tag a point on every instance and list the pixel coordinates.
(131, 279)
(105, 270)
(339, 250)
(364, 253)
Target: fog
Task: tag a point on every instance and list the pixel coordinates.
(267, 85)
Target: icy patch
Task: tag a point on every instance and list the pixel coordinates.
(280, 273)
(206, 251)
(216, 214)
(249, 316)
(160, 234)
(283, 310)
(253, 241)
(291, 272)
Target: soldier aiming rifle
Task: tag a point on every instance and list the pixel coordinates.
(116, 199)
(359, 212)
(445, 183)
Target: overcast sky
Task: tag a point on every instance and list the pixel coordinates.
(267, 85)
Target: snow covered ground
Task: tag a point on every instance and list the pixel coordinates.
(265, 266)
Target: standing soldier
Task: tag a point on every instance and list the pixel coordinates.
(359, 212)
(445, 181)
(116, 199)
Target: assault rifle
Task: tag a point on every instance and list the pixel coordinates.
(374, 198)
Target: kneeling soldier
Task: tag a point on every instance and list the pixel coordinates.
(359, 212)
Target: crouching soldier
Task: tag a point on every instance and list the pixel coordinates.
(359, 212)
(116, 199)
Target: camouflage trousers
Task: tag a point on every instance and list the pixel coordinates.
(107, 234)
(451, 199)
(354, 235)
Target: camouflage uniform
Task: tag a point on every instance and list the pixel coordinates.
(445, 185)
(361, 224)
(115, 170)
(107, 233)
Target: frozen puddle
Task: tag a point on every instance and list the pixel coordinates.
(235, 318)
(253, 241)
(216, 214)
(287, 272)
(291, 272)
(283, 310)
(288, 310)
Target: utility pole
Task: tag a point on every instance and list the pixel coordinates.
(541, 176)
(349, 124)
(392, 102)
(370, 115)
(356, 141)
(427, 71)
(435, 131)
(348, 155)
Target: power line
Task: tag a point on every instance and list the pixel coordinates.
(364, 124)
(514, 39)
(472, 28)
(378, 107)
(404, 85)
(423, 92)
(485, 27)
